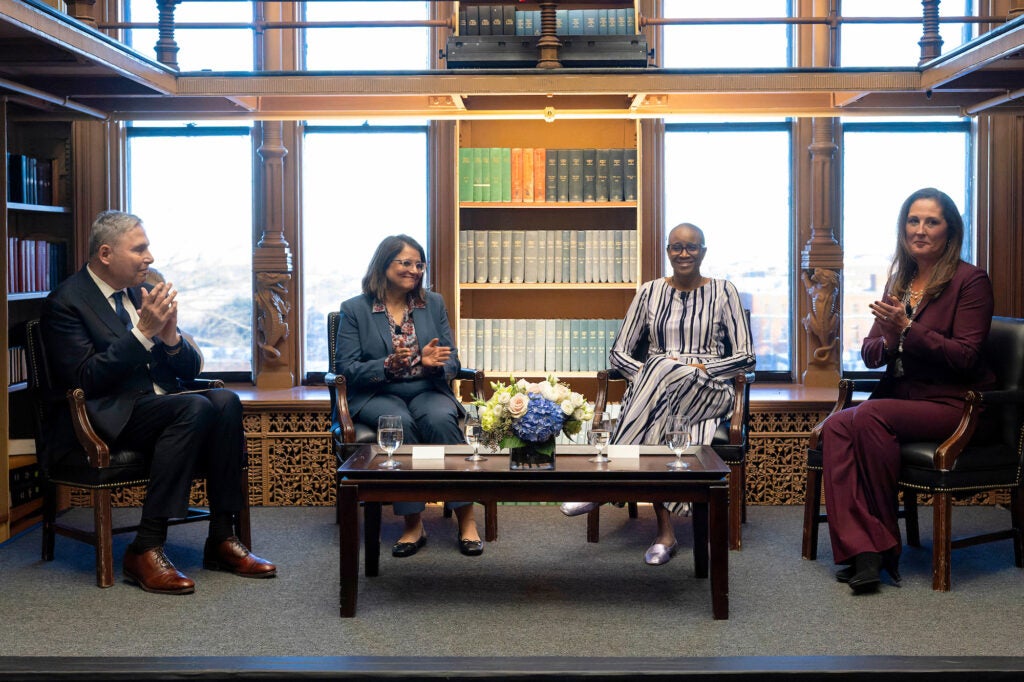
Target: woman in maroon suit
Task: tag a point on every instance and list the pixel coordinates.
(928, 331)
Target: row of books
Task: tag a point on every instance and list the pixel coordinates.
(34, 264)
(547, 256)
(476, 20)
(30, 180)
(26, 484)
(538, 175)
(17, 365)
(526, 345)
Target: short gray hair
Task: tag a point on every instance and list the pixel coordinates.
(109, 227)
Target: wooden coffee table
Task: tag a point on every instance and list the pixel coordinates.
(646, 479)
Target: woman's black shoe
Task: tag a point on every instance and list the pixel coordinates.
(843, 575)
(891, 564)
(471, 547)
(404, 549)
(866, 577)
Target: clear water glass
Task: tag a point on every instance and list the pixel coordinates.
(677, 437)
(474, 432)
(389, 437)
(600, 435)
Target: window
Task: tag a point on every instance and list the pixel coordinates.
(192, 188)
(872, 44)
(733, 180)
(360, 183)
(726, 45)
(218, 49)
(366, 48)
(883, 163)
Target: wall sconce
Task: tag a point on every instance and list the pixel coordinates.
(549, 114)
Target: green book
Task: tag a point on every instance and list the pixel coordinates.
(589, 175)
(551, 175)
(506, 174)
(466, 174)
(629, 185)
(615, 167)
(496, 174)
(481, 174)
(562, 177)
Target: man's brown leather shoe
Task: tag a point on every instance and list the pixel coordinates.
(231, 555)
(154, 572)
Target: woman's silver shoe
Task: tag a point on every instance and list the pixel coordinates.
(658, 554)
(578, 508)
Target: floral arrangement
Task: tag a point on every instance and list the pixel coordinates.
(522, 413)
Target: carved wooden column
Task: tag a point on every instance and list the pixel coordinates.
(272, 269)
(548, 42)
(83, 11)
(166, 46)
(931, 41)
(821, 264)
(1016, 9)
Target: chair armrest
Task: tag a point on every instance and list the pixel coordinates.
(950, 449)
(474, 375)
(336, 387)
(96, 450)
(203, 384)
(846, 390)
(740, 414)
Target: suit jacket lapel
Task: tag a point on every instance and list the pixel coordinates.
(384, 327)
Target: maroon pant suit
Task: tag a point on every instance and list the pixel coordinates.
(861, 450)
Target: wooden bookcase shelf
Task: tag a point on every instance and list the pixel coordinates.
(38, 174)
(581, 289)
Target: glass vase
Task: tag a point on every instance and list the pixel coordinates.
(530, 456)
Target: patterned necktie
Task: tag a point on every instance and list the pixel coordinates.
(122, 314)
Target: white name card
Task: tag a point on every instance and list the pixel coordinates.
(624, 451)
(428, 452)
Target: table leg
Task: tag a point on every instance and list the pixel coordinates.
(700, 539)
(371, 538)
(348, 547)
(719, 531)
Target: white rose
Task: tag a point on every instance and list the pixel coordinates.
(523, 385)
(517, 405)
(498, 410)
(504, 397)
(567, 407)
(577, 400)
(548, 392)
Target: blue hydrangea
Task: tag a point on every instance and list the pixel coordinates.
(543, 420)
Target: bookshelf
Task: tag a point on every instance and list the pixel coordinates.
(544, 280)
(38, 239)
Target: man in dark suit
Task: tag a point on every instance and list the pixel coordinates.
(116, 338)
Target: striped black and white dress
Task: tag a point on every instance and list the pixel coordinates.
(707, 326)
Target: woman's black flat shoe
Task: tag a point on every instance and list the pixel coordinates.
(471, 547)
(404, 549)
(843, 575)
(866, 577)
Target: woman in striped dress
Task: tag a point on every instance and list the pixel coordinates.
(683, 337)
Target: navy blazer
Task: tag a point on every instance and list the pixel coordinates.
(364, 341)
(88, 347)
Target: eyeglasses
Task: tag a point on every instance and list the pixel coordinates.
(689, 247)
(418, 264)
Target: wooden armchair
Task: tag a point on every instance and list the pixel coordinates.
(347, 434)
(970, 461)
(730, 443)
(105, 468)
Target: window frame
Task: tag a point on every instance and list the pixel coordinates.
(786, 126)
(172, 131)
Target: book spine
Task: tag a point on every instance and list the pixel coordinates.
(516, 179)
(481, 174)
(542, 256)
(518, 259)
(562, 176)
(494, 256)
(480, 245)
(530, 257)
(463, 251)
(629, 184)
(576, 175)
(551, 177)
(473, 20)
(465, 174)
(601, 180)
(615, 160)
(506, 256)
(497, 20)
(617, 256)
(539, 174)
(564, 259)
(497, 171)
(470, 255)
(526, 346)
(589, 175)
(509, 19)
(527, 175)
(506, 174)
(573, 245)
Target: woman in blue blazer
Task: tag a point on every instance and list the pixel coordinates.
(395, 350)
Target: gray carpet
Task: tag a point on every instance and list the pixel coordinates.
(540, 590)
